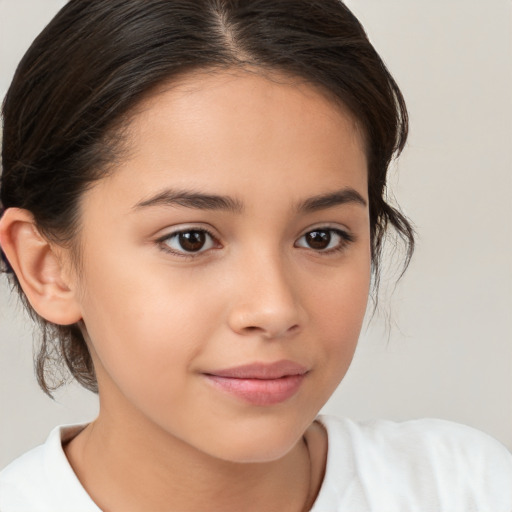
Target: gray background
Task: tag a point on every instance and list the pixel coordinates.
(441, 345)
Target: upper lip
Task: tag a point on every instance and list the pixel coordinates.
(265, 371)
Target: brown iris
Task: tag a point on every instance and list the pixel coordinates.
(318, 239)
(192, 240)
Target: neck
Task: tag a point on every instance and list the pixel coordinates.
(131, 467)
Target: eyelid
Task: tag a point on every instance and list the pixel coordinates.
(327, 226)
(346, 235)
(185, 229)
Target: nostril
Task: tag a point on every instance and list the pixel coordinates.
(272, 333)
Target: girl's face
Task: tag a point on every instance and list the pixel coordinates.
(236, 233)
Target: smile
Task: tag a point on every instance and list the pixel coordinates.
(260, 384)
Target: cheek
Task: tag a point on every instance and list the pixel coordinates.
(343, 308)
(141, 326)
(337, 316)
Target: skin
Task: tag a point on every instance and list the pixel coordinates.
(156, 321)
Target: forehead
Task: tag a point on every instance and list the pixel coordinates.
(265, 100)
(241, 130)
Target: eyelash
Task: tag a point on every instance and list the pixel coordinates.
(162, 242)
(346, 239)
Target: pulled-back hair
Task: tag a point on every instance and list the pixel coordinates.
(83, 76)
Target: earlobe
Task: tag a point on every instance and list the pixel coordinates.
(38, 268)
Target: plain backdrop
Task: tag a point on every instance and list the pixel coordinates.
(441, 344)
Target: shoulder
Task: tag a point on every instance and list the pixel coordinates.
(447, 465)
(42, 480)
(422, 435)
(15, 477)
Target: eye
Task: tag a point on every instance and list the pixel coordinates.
(188, 241)
(325, 240)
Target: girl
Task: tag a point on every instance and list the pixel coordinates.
(193, 199)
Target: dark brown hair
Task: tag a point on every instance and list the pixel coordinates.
(97, 59)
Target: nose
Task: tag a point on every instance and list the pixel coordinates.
(267, 299)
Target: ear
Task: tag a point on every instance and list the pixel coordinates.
(38, 267)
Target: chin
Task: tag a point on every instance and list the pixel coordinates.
(263, 441)
(256, 452)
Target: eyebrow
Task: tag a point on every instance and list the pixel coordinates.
(201, 201)
(190, 199)
(323, 201)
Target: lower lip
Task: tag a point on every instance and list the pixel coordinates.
(259, 391)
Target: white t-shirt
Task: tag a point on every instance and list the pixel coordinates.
(379, 466)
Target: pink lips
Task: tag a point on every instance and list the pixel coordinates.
(260, 384)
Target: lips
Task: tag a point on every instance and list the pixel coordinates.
(259, 383)
(262, 371)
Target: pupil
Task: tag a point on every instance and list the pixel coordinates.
(318, 239)
(192, 240)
